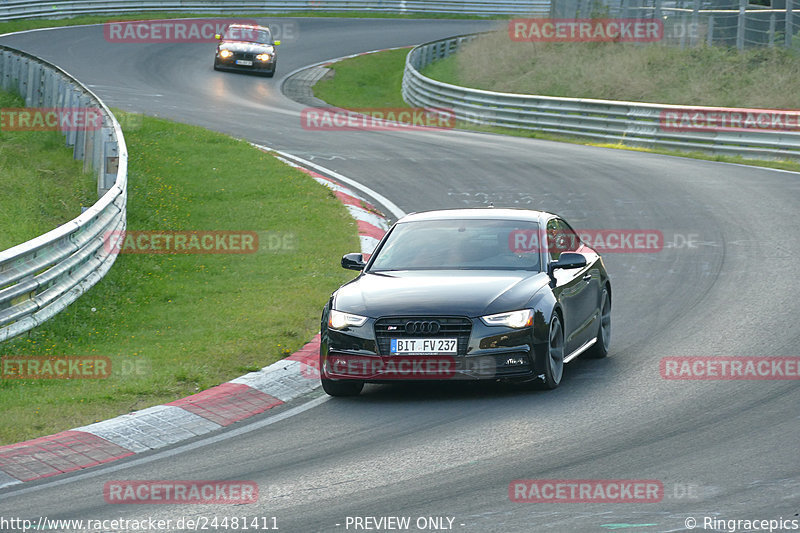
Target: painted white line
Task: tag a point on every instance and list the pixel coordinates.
(385, 202)
(362, 214)
(7, 481)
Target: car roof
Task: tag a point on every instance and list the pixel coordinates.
(247, 26)
(488, 213)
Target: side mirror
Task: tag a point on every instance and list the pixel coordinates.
(217, 36)
(276, 43)
(353, 262)
(567, 260)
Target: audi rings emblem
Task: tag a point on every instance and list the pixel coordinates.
(418, 327)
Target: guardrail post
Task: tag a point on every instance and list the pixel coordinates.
(38, 87)
(88, 149)
(740, 24)
(97, 159)
(23, 79)
(110, 160)
(72, 100)
(5, 65)
(684, 31)
(79, 150)
(787, 37)
(55, 83)
(30, 95)
(710, 30)
(16, 68)
(695, 23)
(771, 34)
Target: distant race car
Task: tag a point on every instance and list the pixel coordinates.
(471, 294)
(246, 48)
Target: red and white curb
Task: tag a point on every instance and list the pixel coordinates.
(207, 411)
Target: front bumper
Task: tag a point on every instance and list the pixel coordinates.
(255, 66)
(484, 353)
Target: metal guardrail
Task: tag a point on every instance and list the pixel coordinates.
(41, 277)
(21, 9)
(630, 123)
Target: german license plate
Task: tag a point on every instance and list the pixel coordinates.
(423, 346)
(244, 62)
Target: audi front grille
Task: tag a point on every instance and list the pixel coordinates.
(390, 328)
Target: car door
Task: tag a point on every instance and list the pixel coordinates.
(576, 289)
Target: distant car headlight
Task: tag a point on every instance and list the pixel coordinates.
(512, 319)
(339, 320)
(225, 54)
(263, 57)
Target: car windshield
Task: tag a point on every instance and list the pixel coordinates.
(251, 35)
(469, 244)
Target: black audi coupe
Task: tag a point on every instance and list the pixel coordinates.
(247, 48)
(469, 294)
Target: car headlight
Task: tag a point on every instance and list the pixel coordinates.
(225, 54)
(512, 319)
(339, 320)
(263, 57)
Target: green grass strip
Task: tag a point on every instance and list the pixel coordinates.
(177, 324)
(36, 166)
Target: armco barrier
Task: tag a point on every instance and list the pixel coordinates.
(21, 9)
(631, 123)
(41, 277)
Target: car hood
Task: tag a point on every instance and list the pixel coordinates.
(446, 292)
(242, 46)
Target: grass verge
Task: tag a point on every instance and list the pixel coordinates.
(702, 76)
(37, 166)
(176, 324)
(382, 73)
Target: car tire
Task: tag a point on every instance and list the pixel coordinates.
(269, 74)
(342, 388)
(554, 363)
(599, 349)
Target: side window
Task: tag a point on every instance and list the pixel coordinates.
(553, 247)
(561, 238)
(571, 240)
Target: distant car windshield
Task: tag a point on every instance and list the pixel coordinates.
(251, 35)
(469, 244)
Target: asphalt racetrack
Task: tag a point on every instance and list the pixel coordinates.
(723, 285)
